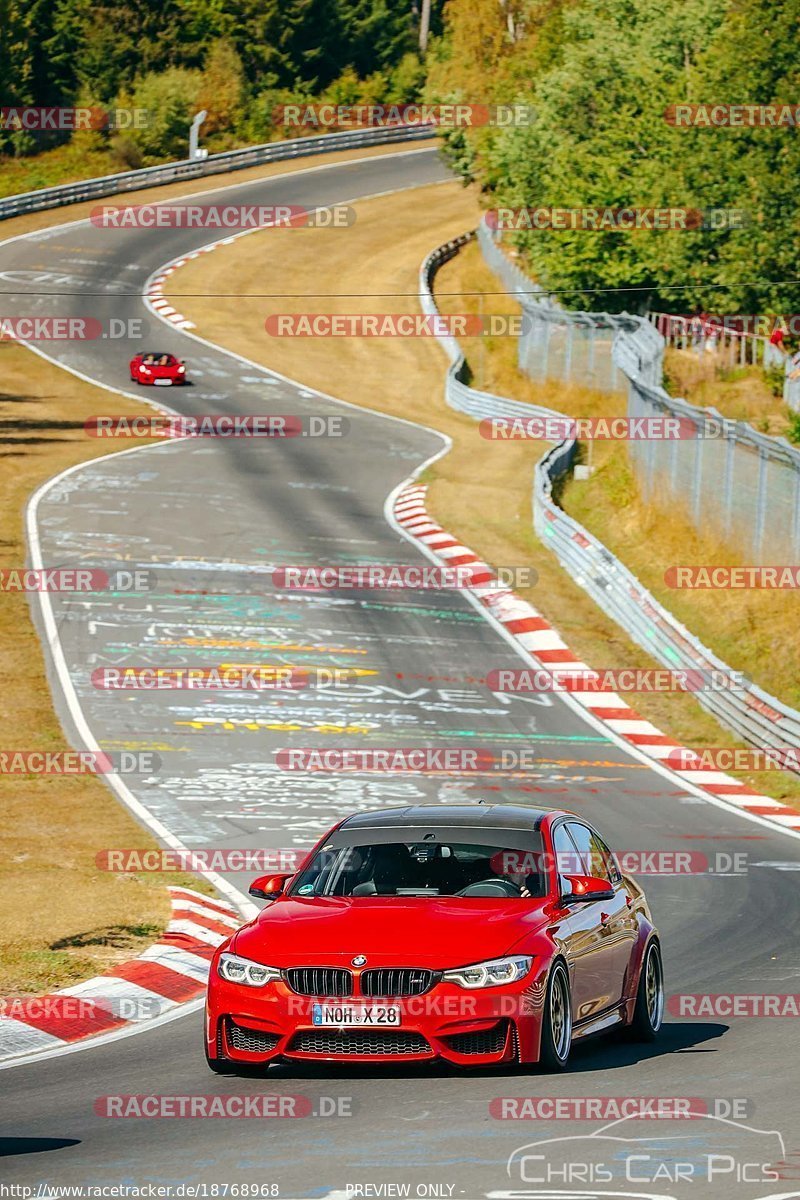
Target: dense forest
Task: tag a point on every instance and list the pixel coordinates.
(598, 74)
(601, 75)
(238, 59)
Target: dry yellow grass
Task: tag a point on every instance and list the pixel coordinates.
(481, 490)
(740, 393)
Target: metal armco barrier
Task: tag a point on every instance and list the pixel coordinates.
(215, 164)
(752, 714)
(575, 347)
(731, 481)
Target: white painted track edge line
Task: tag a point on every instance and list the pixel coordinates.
(388, 510)
(173, 200)
(588, 717)
(123, 792)
(102, 1039)
(53, 643)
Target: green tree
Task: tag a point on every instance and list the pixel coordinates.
(222, 88)
(376, 33)
(169, 98)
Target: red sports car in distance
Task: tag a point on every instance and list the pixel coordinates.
(477, 935)
(163, 370)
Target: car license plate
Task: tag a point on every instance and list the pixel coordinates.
(163, 382)
(376, 1015)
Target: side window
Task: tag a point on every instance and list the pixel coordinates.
(567, 861)
(610, 861)
(593, 853)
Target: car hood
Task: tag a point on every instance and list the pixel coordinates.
(154, 369)
(435, 933)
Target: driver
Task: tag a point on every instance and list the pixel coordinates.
(392, 867)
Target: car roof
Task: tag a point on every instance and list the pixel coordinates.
(457, 816)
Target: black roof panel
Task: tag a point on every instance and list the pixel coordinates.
(499, 816)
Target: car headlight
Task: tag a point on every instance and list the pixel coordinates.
(489, 974)
(181, 370)
(243, 970)
(145, 371)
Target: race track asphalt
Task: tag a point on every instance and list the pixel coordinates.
(209, 518)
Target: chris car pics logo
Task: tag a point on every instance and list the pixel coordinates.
(627, 1154)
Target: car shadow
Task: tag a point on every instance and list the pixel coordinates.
(33, 1145)
(605, 1054)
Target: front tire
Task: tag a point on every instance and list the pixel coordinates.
(556, 1022)
(648, 1014)
(220, 1066)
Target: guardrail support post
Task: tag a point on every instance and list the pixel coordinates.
(730, 463)
(761, 502)
(568, 352)
(697, 483)
(194, 134)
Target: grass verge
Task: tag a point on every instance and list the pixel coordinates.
(85, 156)
(742, 393)
(481, 490)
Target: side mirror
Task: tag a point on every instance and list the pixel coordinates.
(587, 887)
(268, 887)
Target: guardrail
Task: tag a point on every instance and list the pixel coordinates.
(555, 343)
(742, 484)
(214, 164)
(752, 714)
(736, 347)
(733, 347)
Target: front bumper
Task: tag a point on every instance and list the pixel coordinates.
(158, 380)
(478, 1027)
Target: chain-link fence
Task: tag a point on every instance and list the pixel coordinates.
(755, 716)
(791, 383)
(733, 482)
(575, 347)
(706, 335)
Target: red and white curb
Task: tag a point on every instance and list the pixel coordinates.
(154, 295)
(157, 301)
(539, 639)
(171, 972)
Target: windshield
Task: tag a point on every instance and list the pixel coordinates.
(424, 868)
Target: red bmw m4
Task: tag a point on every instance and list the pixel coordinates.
(477, 935)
